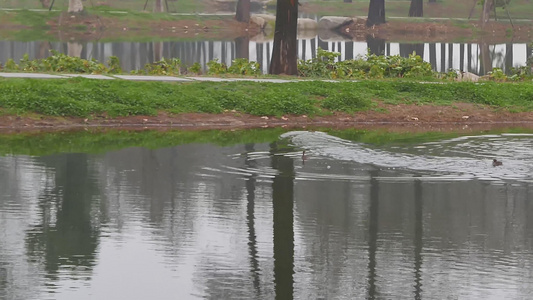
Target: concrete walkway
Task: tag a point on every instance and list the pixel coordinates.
(141, 77)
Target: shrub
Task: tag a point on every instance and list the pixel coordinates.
(163, 67)
(370, 66)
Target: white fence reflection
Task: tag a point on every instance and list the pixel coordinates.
(476, 58)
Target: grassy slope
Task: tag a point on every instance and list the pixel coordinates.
(84, 98)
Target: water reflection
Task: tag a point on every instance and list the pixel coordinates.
(283, 204)
(475, 58)
(254, 222)
(67, 233)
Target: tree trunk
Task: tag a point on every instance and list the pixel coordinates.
(158, 51)
(432, 1)
(74, 49)
(485, 15)
(284, 52)
(242, 47)
(44, 50)
(75, 6)
(243, 11)
(508, 57)
(158, 6)
(486, 60)
(45, 3)
(347, 1)
(375, 46)
(376, 13)
(417, 8)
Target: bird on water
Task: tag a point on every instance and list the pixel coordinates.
(496, 163)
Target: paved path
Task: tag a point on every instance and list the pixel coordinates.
(141, 77)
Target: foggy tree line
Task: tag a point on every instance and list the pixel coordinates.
(284, 52)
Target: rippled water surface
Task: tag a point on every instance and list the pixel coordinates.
(260, 221)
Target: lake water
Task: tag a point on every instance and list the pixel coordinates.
(348, 220)
(473, 57)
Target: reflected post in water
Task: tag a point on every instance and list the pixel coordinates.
(73, 238)
(283, 203)
(419, 230)
(373, 234)
(250, 221)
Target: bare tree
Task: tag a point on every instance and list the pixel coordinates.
(376, 13)
(417, 8)
(284, 52)
(243, 11)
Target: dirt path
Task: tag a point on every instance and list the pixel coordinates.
(400, 118)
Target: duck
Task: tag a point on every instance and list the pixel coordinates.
(496, 163)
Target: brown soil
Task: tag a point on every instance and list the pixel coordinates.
(404, 118)
(97, 28)
(67, 27)
(92, 27)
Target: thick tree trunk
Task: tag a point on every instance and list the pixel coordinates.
(74, 49)
(44, 50)
(158, 51)
(242, 47)
(375, 46)
(158, 6)
(432, 1)
(486, 60)
(75, 6)
(376, 13)
(243, 11)
(417, 8)
(284, 52)
(485, 15)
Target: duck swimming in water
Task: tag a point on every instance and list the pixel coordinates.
(496, 163)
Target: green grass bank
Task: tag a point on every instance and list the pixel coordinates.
(79, 97)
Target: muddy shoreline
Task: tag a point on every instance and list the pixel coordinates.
(394, 118)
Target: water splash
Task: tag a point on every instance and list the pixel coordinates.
(469, 156)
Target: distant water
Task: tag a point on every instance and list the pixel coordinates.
(475, 58)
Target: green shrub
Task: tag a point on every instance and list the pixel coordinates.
(196, 68)
(163, 67)
(114, 65)
(241, 66)
(370, 66)
(216, 68)
(11, 65)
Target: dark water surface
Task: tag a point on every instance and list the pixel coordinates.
(259, 221)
